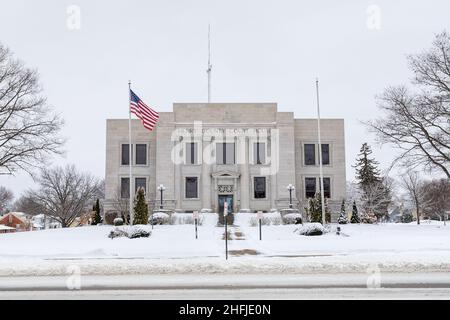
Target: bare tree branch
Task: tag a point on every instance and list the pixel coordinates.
(29, 130)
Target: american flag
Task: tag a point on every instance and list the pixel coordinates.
(148, 116)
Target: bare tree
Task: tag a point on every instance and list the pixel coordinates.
(417, 122)
(413, 185)
(29, 130)
(376, 198)
(436, 198)
(6, 197)
(64, 194)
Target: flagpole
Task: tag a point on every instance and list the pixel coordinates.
(208, 71)
(322, 196)
(130, 150)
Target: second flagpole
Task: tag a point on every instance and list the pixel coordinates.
(130, 151)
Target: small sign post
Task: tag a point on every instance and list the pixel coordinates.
(260, 215)
(196, 223)
(225, 213)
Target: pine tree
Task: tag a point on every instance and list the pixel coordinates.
(315, 209)
(97, 218)
(375, 195)
(367, 171)
(407, 216)
(141, 208)
(343, 215)
(355, 215)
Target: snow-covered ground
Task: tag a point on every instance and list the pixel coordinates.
(173, 249)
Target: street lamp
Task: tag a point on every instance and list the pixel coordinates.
(161, 189)
(290, 187)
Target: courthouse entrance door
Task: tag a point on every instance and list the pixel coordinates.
(226, 198)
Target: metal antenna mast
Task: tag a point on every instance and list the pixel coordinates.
(208, 71)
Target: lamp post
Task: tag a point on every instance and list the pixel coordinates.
(161, 189)
(290, 187)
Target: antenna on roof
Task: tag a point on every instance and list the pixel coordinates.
(208, 71)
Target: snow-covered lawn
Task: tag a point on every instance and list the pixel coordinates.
(174, 249)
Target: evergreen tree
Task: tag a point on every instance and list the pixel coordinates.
(141, 208)
(375, 194)
(97, 217)
(343, 215)
(407, 216)
(367, 171)
(315, 209)
(355, 215)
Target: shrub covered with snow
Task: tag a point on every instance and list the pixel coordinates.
(118, 221)
(311, 229)
(132, 232)
(292, 218)
(186, 218)
(139, 231)
(270, 218)
(159, 217)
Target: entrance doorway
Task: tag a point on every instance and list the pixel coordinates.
(228, 198)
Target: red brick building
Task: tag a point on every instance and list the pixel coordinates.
(14, 221)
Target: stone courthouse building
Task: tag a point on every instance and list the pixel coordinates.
(205, 154)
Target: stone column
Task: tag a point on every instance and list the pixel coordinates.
(272, 148)
(245, 175)
(178, 178)
(206, 174)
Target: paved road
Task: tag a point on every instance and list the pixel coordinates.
(268, 286)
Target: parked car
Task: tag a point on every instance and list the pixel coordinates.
(291, 216)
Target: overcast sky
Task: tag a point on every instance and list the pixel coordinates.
(262, 51)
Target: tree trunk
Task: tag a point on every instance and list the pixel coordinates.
(417, 212)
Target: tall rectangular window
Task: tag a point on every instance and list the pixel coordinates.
(140, 183)
(141, 154)
(259, 187)
(259, 153)
(327, 187)
(125, 157)
(125, 188)
(191, 153)
(325, 154)
(310, 154)
(310, 187)
(225, 153)
(191, 187)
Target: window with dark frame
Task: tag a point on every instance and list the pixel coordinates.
(259, 187)
(140, 183)
(191, 153)
(259, 153)
(325, 154)
(125, 158)
(327, 187)
(125, 188)
(225, 153)
(191, 187)
(310, 154)
(141, 154)
(310, 187)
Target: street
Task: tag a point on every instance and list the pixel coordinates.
(270, 286)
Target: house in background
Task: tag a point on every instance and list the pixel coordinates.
(6, 229)
(16, 220)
